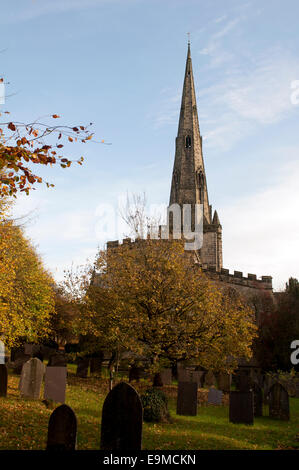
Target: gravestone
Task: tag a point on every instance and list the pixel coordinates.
(3, 380)
(55, 384)
(257, 400)
(243, 381)
(166, 376)
(18, 363)
(224, 381)
(197, 376)
(268, 382)
(96, 365)
(241, 407)
(210, 379)
(122, 419)
(215, 397)
(62, 429)
(187, 399)
(183, 375)
(82, 367)
(135, 373)
(31, 379)
(2, 353)
(57, 360)
(279, 407)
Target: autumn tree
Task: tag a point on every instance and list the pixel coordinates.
(278, 327)
(26, 288)
(149, 299)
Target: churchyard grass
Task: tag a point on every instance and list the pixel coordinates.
(23, 423)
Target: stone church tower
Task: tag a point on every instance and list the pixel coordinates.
(189, 186)
(189, 182)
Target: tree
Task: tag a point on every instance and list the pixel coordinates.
(148, 298)
(278, 327)
(23, 145)
(26, 289)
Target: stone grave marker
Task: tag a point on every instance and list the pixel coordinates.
(57, 359)
(3, 380)
(243, 382)
(215, 397)
(268, 382)
(197, 376)
(241, 407)
(187, 399)
(96, 363)
(257, 400)
(62, 429)
(55, 384)
(31, 379)
(210, 379)
(82, 367)
(279, 407)
(18, 362)
(183, 375)
(224, 381)
(166, 376)
(122, 419)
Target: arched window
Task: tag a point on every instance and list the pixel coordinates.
(188, 142)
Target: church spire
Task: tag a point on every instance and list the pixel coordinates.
(189, 184)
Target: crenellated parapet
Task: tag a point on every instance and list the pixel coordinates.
(235, 279)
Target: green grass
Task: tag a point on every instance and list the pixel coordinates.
(23, 423)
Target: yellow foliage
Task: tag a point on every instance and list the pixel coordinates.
(151, 300)
(26, 289)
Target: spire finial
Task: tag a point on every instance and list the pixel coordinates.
(188, 34)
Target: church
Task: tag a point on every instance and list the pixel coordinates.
(189, 186)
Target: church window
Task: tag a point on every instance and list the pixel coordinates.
(188, 142)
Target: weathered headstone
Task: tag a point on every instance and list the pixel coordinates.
(257, 400)
(135, 373)
(62, 429)
(197, 376)
(210, 379)
(31, 379)
(96, 365)
(28, 349)
(122, 419)
(268, 382)
(57, 359)
(215, 397)
(3, 380)
(243, 381)
(224, 381)
(19, 361)
(187, 399)
(279, 407)
(2, 353)
(183, 375)
(82, 367)
(55, 384)
(166, 376)
(241, 407)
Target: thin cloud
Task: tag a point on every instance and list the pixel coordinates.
(257, 236)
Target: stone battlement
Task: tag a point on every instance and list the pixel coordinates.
(223, 275)
(237, 278)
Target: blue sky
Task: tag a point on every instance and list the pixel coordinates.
(120, 64)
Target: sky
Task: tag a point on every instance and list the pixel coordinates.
(120, 65)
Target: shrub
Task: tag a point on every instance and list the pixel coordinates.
(155, 408)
